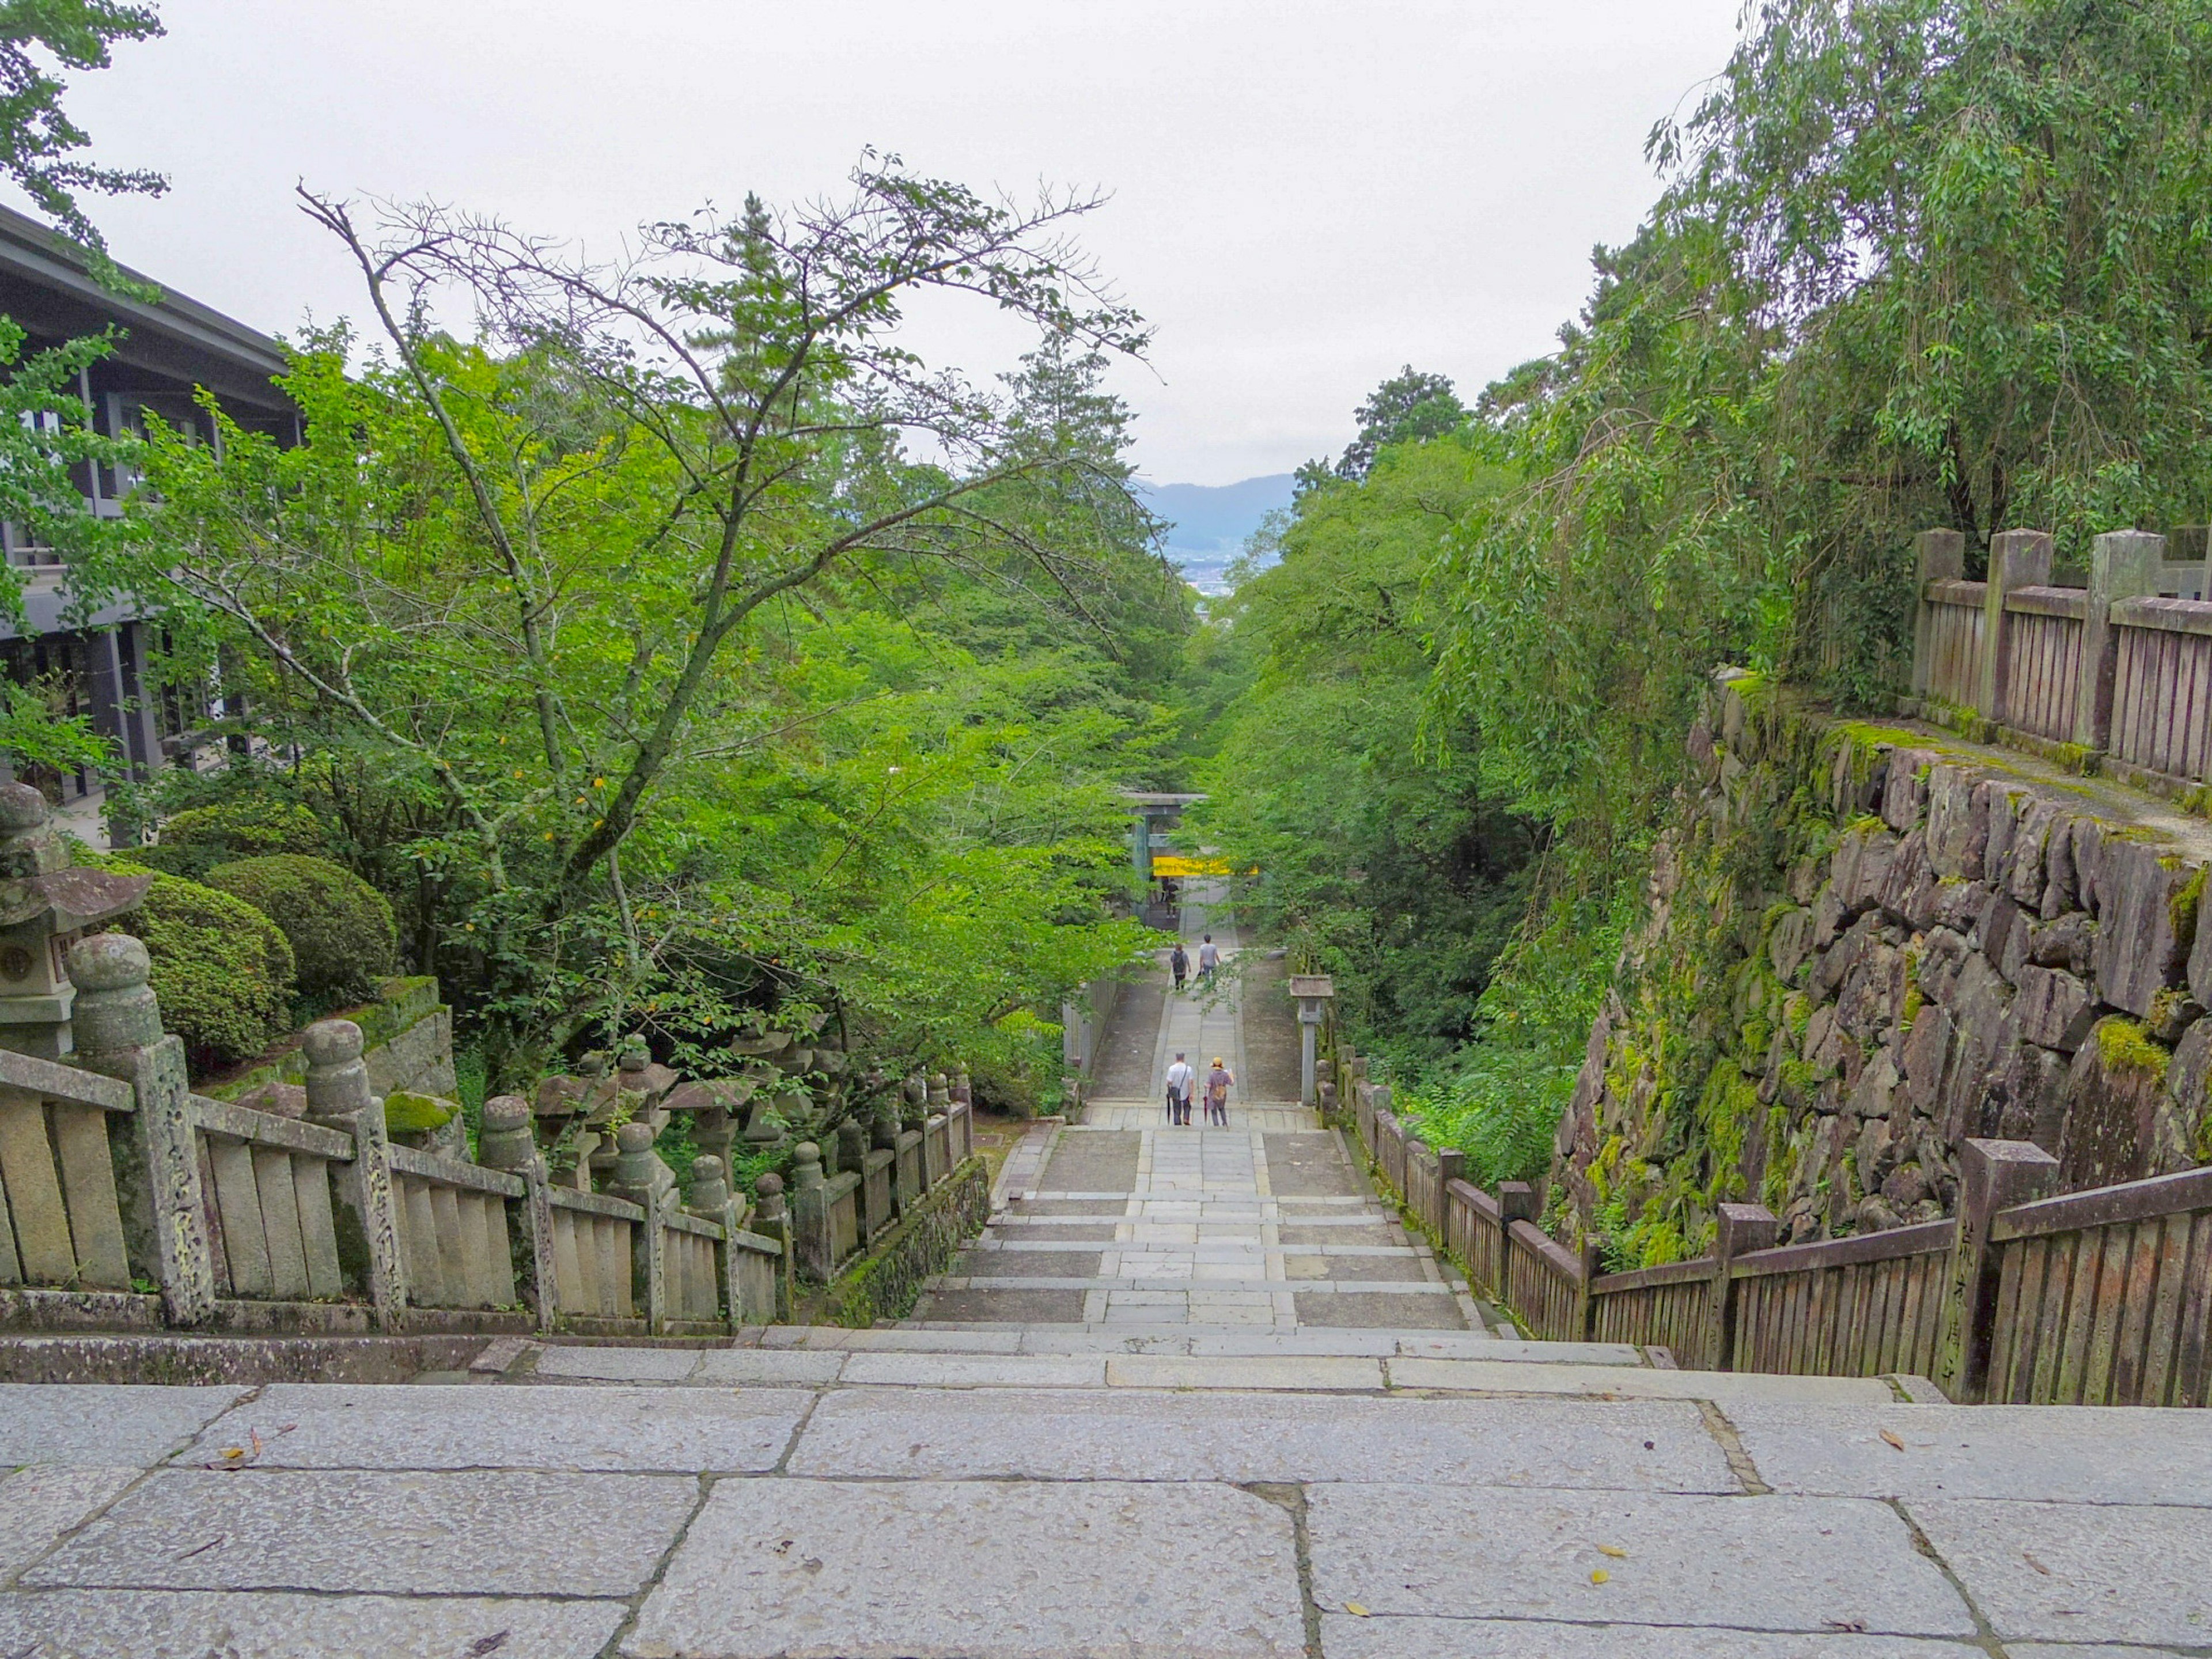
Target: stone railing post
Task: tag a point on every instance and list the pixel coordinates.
(2122, 565)
(2018, 558)
(1939, 555)
(771, 1219)
(117, 1029)
(648, 1182)
(1993, 1175)
(710, 1197)
(812, 1252)
(1740, 1230)
(507, 1140)
(368, 1216)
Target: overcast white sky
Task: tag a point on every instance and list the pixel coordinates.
(1305, 195)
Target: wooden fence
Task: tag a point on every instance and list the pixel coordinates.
(2098, 1298)
(2119, 671)
(127, 1200)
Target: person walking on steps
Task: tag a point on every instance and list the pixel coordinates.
(1217, 1093)
(1209, 958)
(1180, 1078)
(1179, 960)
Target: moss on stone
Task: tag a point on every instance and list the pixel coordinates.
(2125, 1046)
(2182, 909)
(406, 1112)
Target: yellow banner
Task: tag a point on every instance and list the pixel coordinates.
(1169, 865)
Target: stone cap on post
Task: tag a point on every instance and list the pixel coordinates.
(768, 1189)
(115, 1013)
(337, 1081)
(505, 1139)
(710, 1184)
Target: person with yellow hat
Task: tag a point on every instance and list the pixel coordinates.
(1217, 1093)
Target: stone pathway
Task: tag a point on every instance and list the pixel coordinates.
(1194, 1396)
(868, 1501)
(1126, 1223)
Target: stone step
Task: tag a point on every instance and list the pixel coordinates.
(978, 1337)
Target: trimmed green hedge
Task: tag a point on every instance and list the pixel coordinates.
(195, 840)
(339, 927)
(221, 970)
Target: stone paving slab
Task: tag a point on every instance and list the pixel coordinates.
(171, 1625)
(2076, 1454)
(1652, 1383)
(1401, 1307)
(39, 1503)
(943, 1370)
(470, 1531)
(617, 1364)
(310, 1425)
(103, 1424)
(2081, 1572)
(1778, 1563)
(1662, 1446)
(1344, 1637)
(799, 1366)
(977, 1569)
(1175, 1371)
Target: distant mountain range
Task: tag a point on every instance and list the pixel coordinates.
(1211, 522)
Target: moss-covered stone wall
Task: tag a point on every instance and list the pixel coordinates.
(1864, 945)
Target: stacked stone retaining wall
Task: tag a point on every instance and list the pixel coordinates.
(1865, 945)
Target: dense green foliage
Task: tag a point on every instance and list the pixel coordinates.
(339, 927)
(221, 970)
(1915, 263)
(197, 838)
(631, 654)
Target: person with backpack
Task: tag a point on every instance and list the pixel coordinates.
(1180, 1079)
(1180, 962)
(1217, 1093)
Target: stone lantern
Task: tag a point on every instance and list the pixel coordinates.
(46, 906)
(1313, 992)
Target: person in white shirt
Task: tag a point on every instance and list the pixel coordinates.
(1180, 1078)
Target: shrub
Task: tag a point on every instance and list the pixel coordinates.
(221, 970)
(193, 841)
(338, 925)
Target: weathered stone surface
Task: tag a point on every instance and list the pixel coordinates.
(1484, 1377)
(39, 1503)
(2187, 1078)
(2066, 1455)
(101, 1423)
(1775, 1564)
(172, 1625)
(2115, 1092)
(1905, 788)
(1786, 948)
(2081, 1573)
(2053, 1008)
(1958, 823)
(477, 1532)
(757, 1366)
(2069, 942)
(1168, 1371)
(1245, 1437)
(2136, 954)
(599, 1363)
(1344, 1636)
(944, 1370)
(2024, 877)
(773, 1568)
(312, 1426)
(1862, 866)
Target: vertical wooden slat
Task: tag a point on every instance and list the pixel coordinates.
(2080, 1315)
(588, 1262)
(87, 1170)
(43, 1249)
(2163, 1322)
(11, 1269)
(311, 1179)
(2005, 1334)
(567, 1265)
(2102, 1364)
(2193, 1368)
(2138, 1300)
(453, 1251)
(2051, 1312)
(614, 1266)
(211, 1217)
(238, 1196)
(427, 1278)
(500, 1242)
(280, 1222)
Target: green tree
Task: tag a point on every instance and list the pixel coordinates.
(38, 141)
(1407, 407)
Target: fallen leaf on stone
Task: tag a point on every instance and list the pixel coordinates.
(1893, 1439)
(1355, 1609)
(234, 1451)
(1613, 1549)
(203, 1548)
(1599, 1575)
(1852, 1626)
(484, 1645)
(2037, 1564)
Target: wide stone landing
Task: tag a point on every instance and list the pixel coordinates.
(564, 1518)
